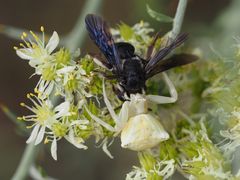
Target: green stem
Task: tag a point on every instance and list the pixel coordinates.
(27, 160)
(72, 41)
(76, 37)
(11, 32)
(178, 19)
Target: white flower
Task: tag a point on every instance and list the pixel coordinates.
(72, 79)
(44, 117)
(41, 58)
(163, 169)
(232, 135)
(36, 51)
(72, 138)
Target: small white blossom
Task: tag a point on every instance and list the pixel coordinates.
(231, 135)
(44, 117)
(164, 169)
(36, 51)
(72, 79)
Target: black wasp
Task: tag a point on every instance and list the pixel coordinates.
(130, 70)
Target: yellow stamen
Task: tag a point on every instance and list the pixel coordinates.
(46, 141)
(34, 35)
(19, 118)
(24, 34)
(29, 127)
(36, 91)
(42, 28)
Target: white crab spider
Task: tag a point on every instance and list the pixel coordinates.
(139, 129)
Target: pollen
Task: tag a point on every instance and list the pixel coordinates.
(24, 34)
(46, 141)
(42, 29)
(20, 118)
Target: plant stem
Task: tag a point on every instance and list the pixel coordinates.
(27, 160)
(73, 40)
(178, 19)
(76, 37)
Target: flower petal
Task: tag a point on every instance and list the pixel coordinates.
(79, 122)
(52, 43)
(34, 134)
(105, 148)
(24, 53)
(72, 139)
(62, 109)
(40, 135)
(66, 69)
(54, 149)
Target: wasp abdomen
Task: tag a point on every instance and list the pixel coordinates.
(134, 76)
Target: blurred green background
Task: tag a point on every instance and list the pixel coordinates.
(205, 21)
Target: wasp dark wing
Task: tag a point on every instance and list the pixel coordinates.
(151, 46)
(100, 34)
(100, 59)
(174, 61)
(165, 51)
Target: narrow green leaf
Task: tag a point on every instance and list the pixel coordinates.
(158, 16)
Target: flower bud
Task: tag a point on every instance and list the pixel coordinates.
(142, 132)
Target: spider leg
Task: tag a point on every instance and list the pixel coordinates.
(163, 99)
(123, 116)
(98, 120)
(120, 120)
(109, 106)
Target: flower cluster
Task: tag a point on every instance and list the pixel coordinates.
(152, 168)
(138, 35)
(66, 84)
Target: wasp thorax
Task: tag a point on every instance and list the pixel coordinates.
(142, 132)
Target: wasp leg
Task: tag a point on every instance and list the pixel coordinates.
(163, 99)
(119, 93)
(106, 75)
